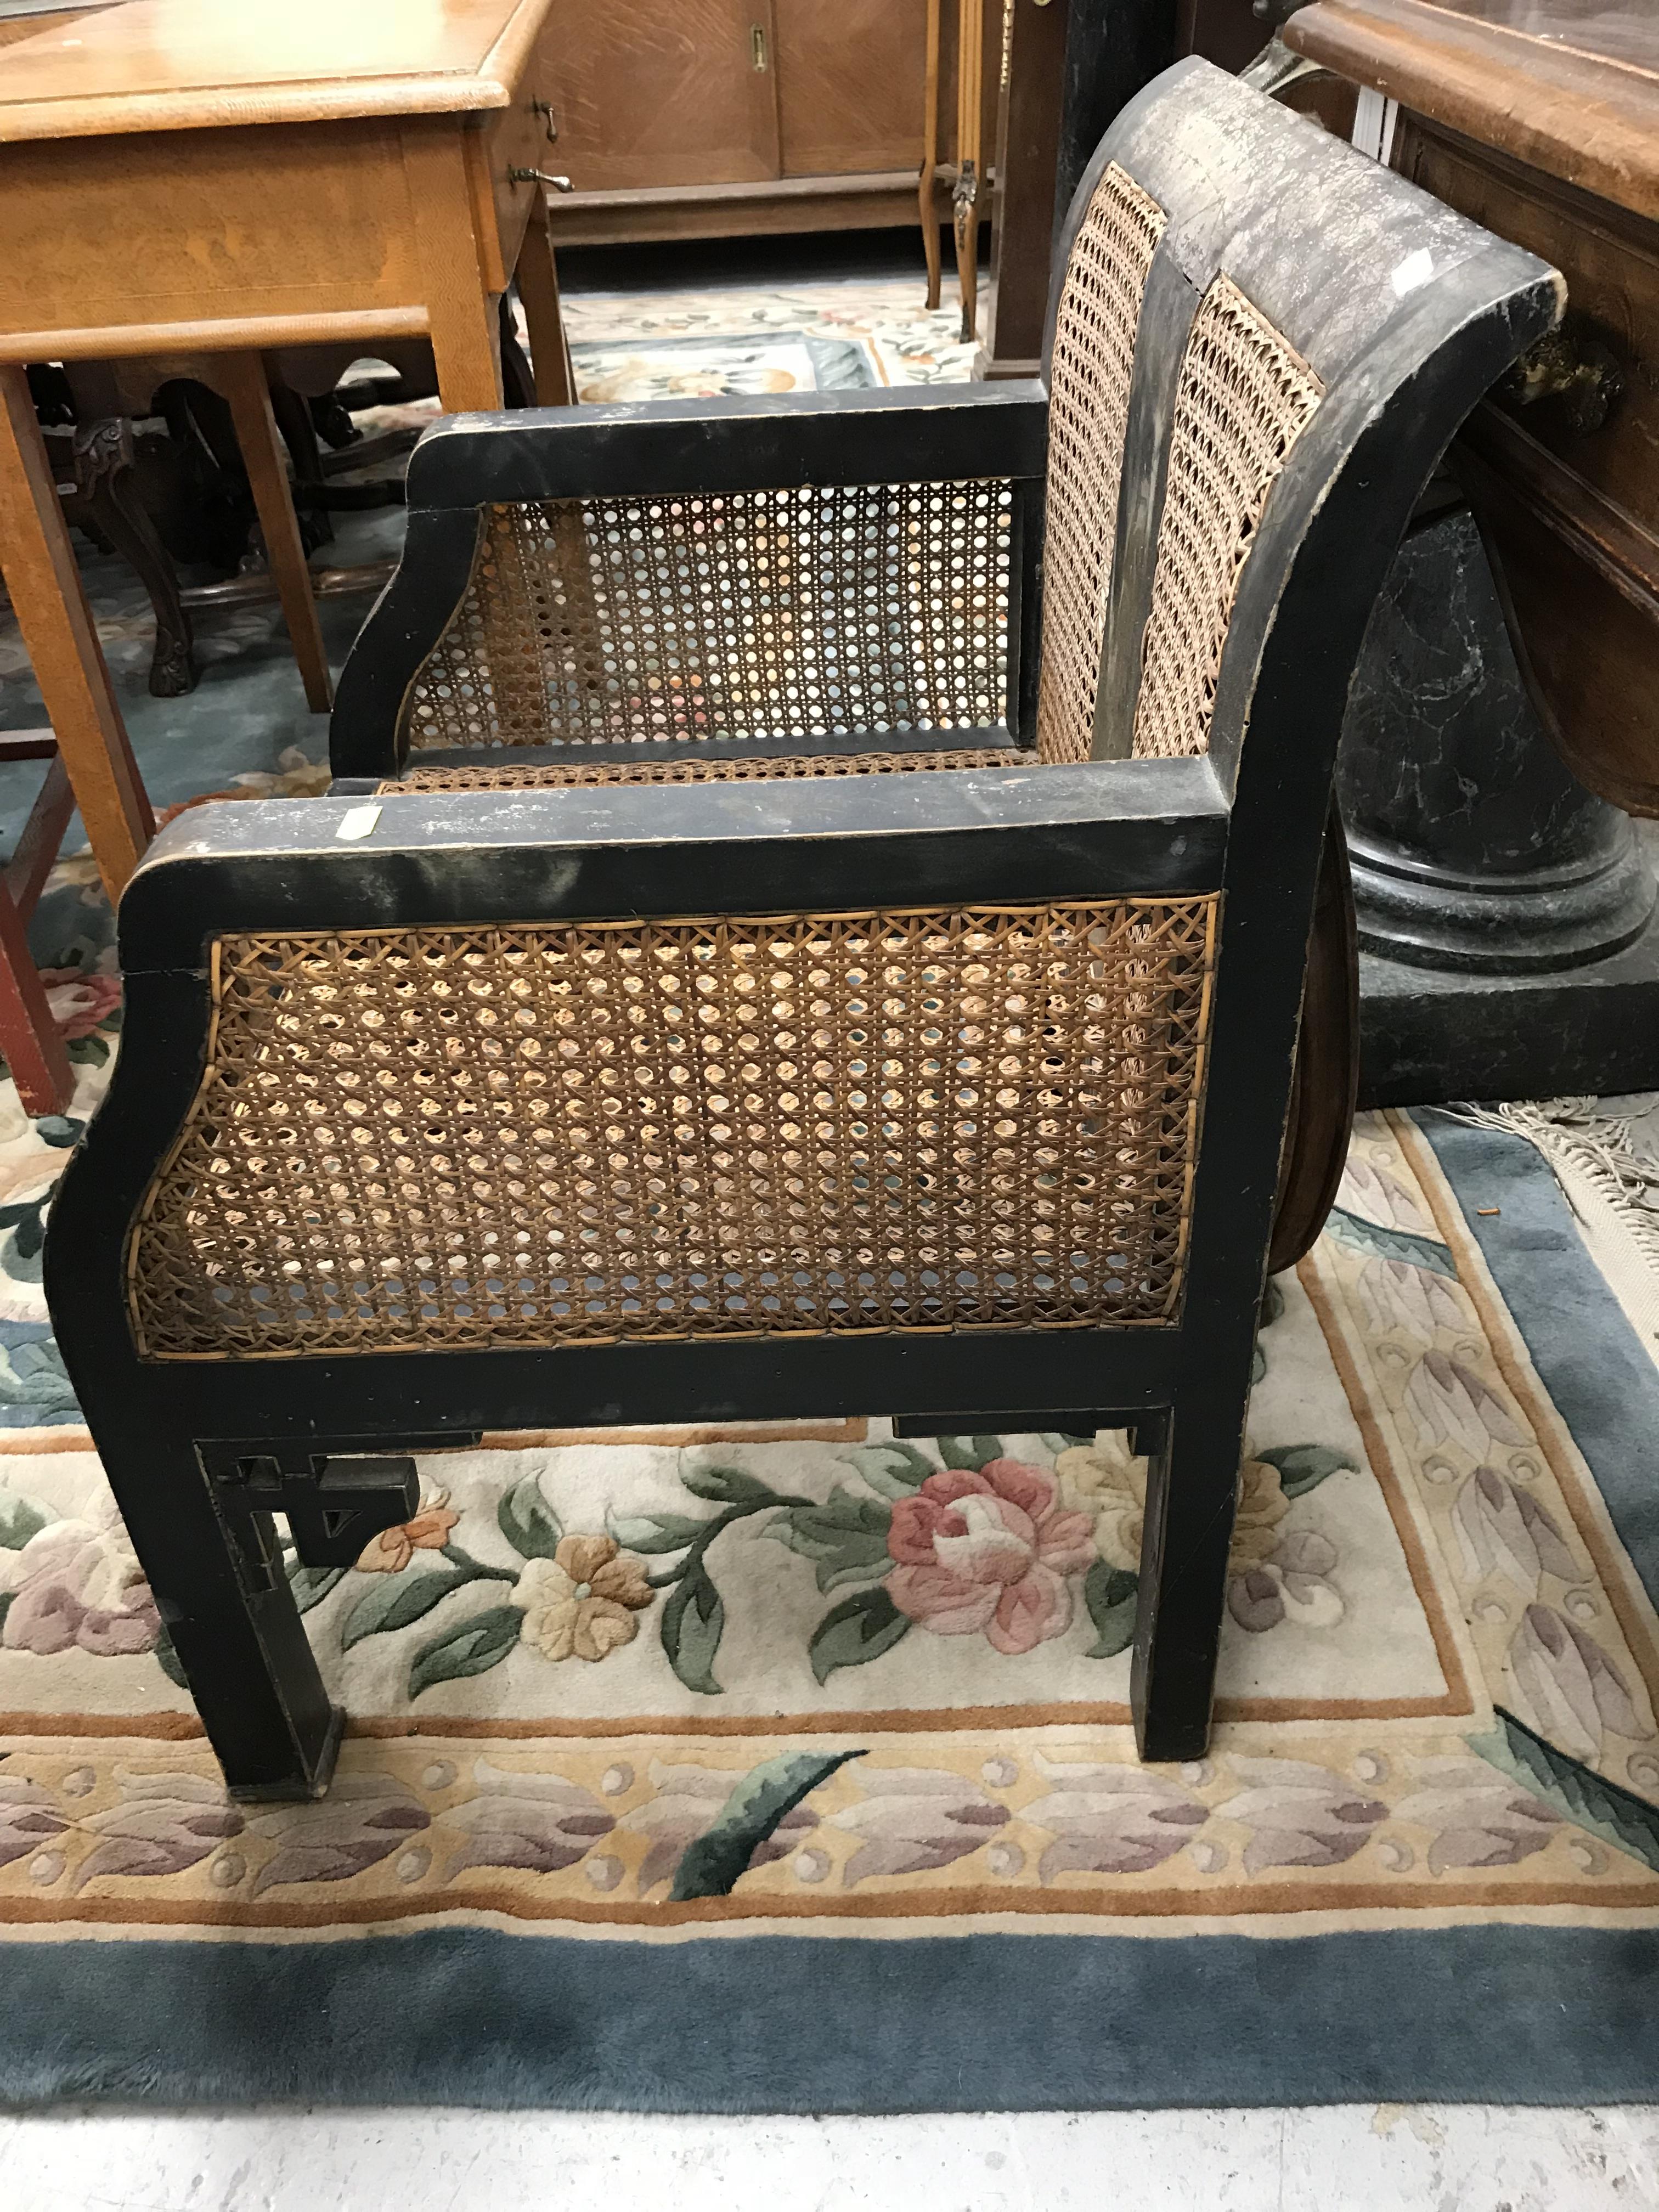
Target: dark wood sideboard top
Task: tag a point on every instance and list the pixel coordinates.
(1569, 86)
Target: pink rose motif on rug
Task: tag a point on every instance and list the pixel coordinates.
(988, 1552)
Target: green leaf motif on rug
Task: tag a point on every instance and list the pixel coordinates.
(969, 1452)
(19, 1520)
(694, 1619)
(1391, 1243)
(652, 1533)
(894, 1469)
(726, 1486)
(311, 1585)
(711, 1863)
(1629, 1823)
(528, 1522)
(397, 1599)
(845, 1538)
(1303, 1467)
(472, 1649)
(859, 1629)
(693, 1622)
(1110, 1594)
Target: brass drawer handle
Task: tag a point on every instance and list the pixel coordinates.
(520, 176)
(543, 108)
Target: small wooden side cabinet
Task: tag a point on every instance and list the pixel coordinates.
(713, 118)
(181, 179)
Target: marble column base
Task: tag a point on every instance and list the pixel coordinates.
(1432, 1036)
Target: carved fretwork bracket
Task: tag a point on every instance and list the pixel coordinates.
(334, 1500)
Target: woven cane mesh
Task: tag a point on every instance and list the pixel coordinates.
(1244, 397)
(681, 767)
(757, 614)
(1094, 347)
(428, 1139)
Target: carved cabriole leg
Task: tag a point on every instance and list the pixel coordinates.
(293, 418)
(103, 463)
(930, 159)
(965, 201)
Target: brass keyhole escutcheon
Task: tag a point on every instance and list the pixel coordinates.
(757, 44)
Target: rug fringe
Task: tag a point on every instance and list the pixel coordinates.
(1605, 1180)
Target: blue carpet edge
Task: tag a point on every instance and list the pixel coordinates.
(974, 2023)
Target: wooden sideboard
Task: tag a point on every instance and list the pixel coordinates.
(705, 118)
(1540, 119)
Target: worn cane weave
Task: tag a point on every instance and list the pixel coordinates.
(683, 767)
(757, 614)
(1244, 397)
(432, 1139)
(1095, 328)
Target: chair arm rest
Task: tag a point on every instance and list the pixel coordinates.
(918, 434)
(1107, 828)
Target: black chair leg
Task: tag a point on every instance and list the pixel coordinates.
(1192, 1486)
(226, 1607)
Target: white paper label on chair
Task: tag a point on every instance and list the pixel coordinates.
(358, 822)
(1414, 271)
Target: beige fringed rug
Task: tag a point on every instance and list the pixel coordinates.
(665, 1712)
(1604, 1153)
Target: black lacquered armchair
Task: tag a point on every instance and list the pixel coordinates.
(814, 918)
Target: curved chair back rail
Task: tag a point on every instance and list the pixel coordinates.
(561, 1096)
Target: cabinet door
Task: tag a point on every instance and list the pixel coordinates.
(663, 92)
(850, 83)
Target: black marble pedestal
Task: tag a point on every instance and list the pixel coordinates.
(1506, 915)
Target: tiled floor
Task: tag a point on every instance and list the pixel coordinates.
(1429, 2158)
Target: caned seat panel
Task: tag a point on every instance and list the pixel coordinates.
(434, 1139)
(1095, 323)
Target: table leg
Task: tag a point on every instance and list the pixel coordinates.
(241, 378)
(38, 565)
(460, 309)
(28, 1036)
(538, 278)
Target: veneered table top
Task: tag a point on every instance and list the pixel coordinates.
(195, 65)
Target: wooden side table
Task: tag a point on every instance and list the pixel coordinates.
(179, 178)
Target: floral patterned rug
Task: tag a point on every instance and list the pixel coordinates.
(790, 1769)
(632, 1688)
